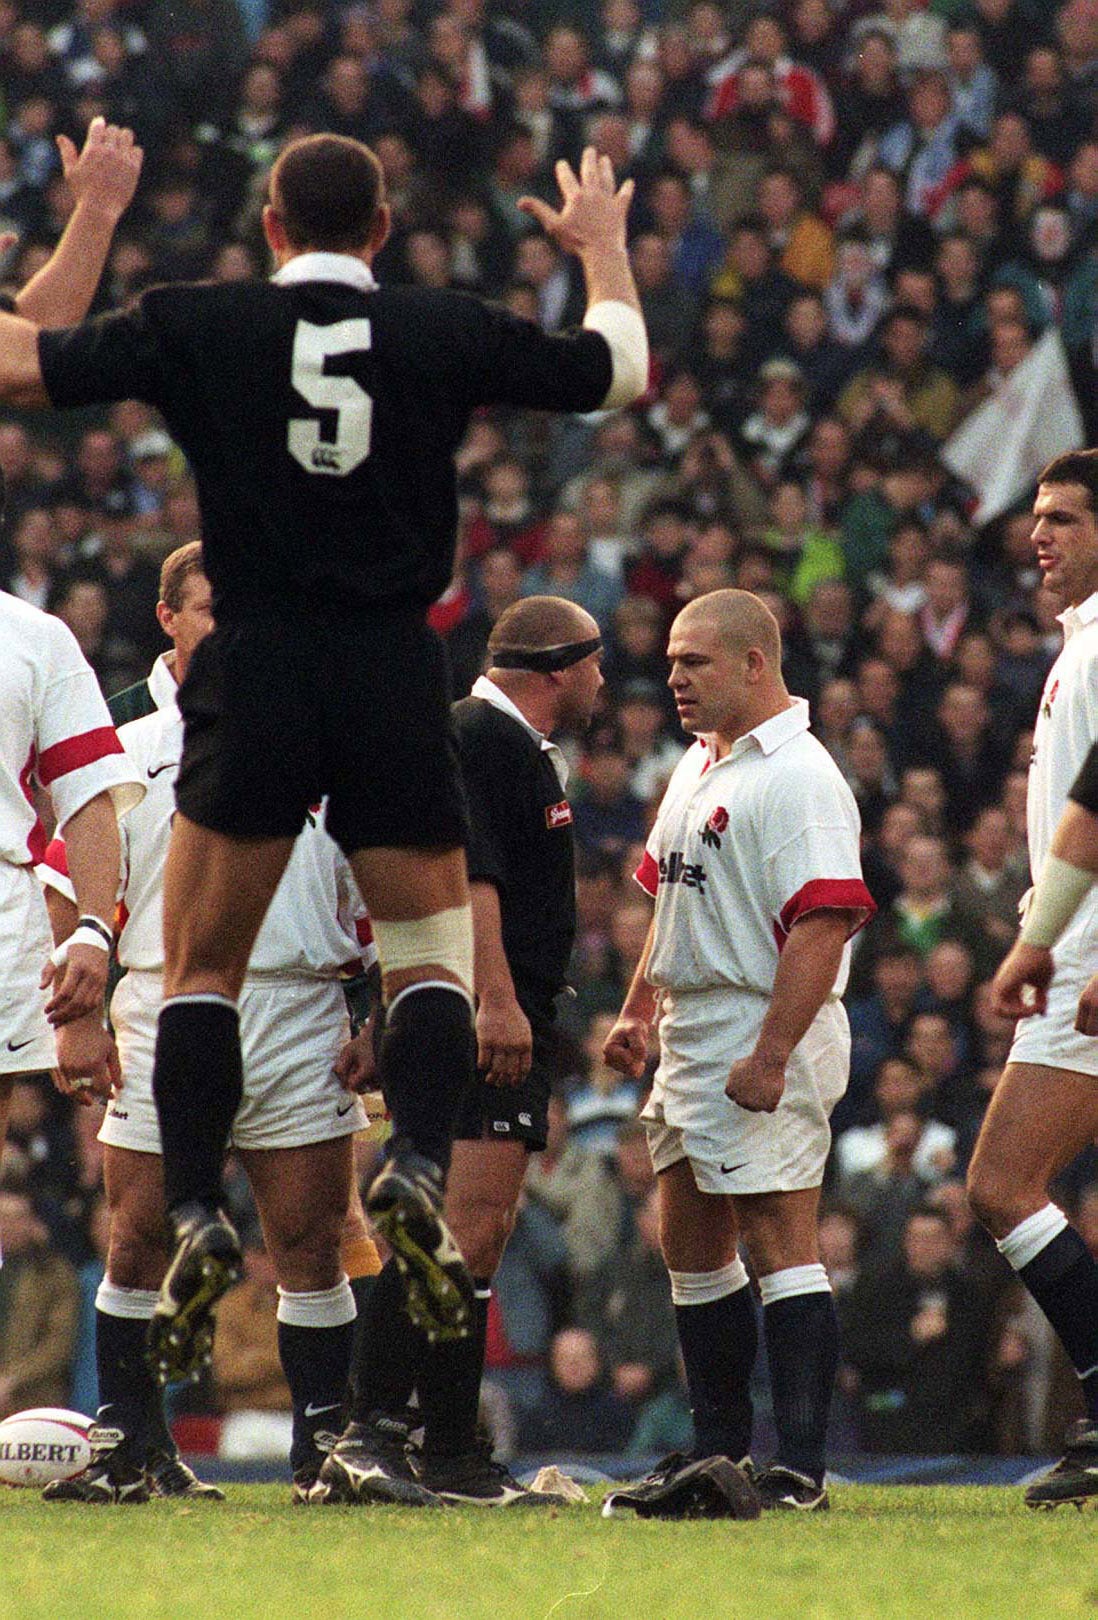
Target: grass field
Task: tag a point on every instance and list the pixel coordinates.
(896, 1552)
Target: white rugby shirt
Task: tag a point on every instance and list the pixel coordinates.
(54, 729)
(317, 922)
(1067, 725)
(743, 846)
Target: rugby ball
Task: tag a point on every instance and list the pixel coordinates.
(43, 1444)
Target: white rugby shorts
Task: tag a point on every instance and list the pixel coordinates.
(1051, 1039)
(729, 1149)
(291, 1031)
(26, 1040)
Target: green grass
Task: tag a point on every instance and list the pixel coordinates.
(899, 1553)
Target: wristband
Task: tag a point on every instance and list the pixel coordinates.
(99, 926)
(82, 934)
(1054, 902)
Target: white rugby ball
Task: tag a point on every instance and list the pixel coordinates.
(43, 1444)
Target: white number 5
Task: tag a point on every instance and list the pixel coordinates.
(313, 345)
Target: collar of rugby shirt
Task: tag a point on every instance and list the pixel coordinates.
(772, 733)
(344, 267)
(1075, 618)
(162, 684)
(491, 693)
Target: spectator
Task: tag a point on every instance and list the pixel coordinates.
(578, 1411)
(912, 1333)
(39, 1305)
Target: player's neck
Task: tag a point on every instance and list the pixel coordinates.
(721, 742)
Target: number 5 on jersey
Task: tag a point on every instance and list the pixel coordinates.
(353, 407)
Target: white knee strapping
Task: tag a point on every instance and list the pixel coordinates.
(1032, 1235)
(703, 1287)
(792, 1281)
(443, 940)
(135, 1304)
(326, 1307)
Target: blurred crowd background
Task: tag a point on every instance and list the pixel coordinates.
(866, 239)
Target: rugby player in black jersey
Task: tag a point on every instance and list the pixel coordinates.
(320, 413)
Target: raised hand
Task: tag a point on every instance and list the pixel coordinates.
(593, 210)
(104, 174)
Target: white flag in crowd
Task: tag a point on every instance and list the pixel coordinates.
(1003, 444)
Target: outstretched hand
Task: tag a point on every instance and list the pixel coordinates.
(105, 173)
(593, 209)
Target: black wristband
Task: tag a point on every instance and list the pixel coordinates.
(97, 926)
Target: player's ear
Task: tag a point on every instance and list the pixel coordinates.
(164, 617)
(274, 230)
(383, 224)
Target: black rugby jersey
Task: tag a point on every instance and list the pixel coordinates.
(320, 418)
(1084, 790)
(521, 840)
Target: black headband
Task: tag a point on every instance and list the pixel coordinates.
(544, 660)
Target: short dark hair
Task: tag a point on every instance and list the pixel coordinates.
(1075, 467)
(326, 190)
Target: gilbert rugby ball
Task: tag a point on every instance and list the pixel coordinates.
(42, 1444)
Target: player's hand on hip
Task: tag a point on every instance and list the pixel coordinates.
(1086, 1018)
(505, 1042)
(756, 1083)
(355, 1067)
(78, 984)
(593, 209)
(1020, 987)
(87, 1060)
(105, 173)
(626, 1047)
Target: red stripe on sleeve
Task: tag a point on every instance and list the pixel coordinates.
(56, 857)
(363, 932)
(648, 874)
(75, 752)
(829, 894)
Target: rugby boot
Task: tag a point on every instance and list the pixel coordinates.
(688, 1488)
(475, 1479)
(206, 1263)
(169, 1475)
(788, 1490)
(1075, 1477)
(405, 1204)
(112, 1476)
(369, 1463)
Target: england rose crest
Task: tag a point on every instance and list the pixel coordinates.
(717, 824)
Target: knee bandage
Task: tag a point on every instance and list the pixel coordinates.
(443, 940)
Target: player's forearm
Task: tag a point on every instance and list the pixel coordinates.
(491, 975)
(62, 291)
(640, 998)
(807, 970)
(94, 857)
(609, 276)
(62, 913)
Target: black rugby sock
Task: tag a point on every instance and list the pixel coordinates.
(802, 1349)
(197, 1083)
(428, 1059)
(1063, 1279)
(719, 1339)
(127, 1392)
(449, 1383)
(388, 1350)
(316, 1361)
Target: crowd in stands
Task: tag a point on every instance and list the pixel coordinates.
(866, 241)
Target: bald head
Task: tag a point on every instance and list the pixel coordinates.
(740, 620)
(538, 623)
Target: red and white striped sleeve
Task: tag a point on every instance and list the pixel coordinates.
(812, 861)
(78, 751)
(53, 870)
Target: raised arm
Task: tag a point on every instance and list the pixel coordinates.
(102, 178)
(591, 224)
